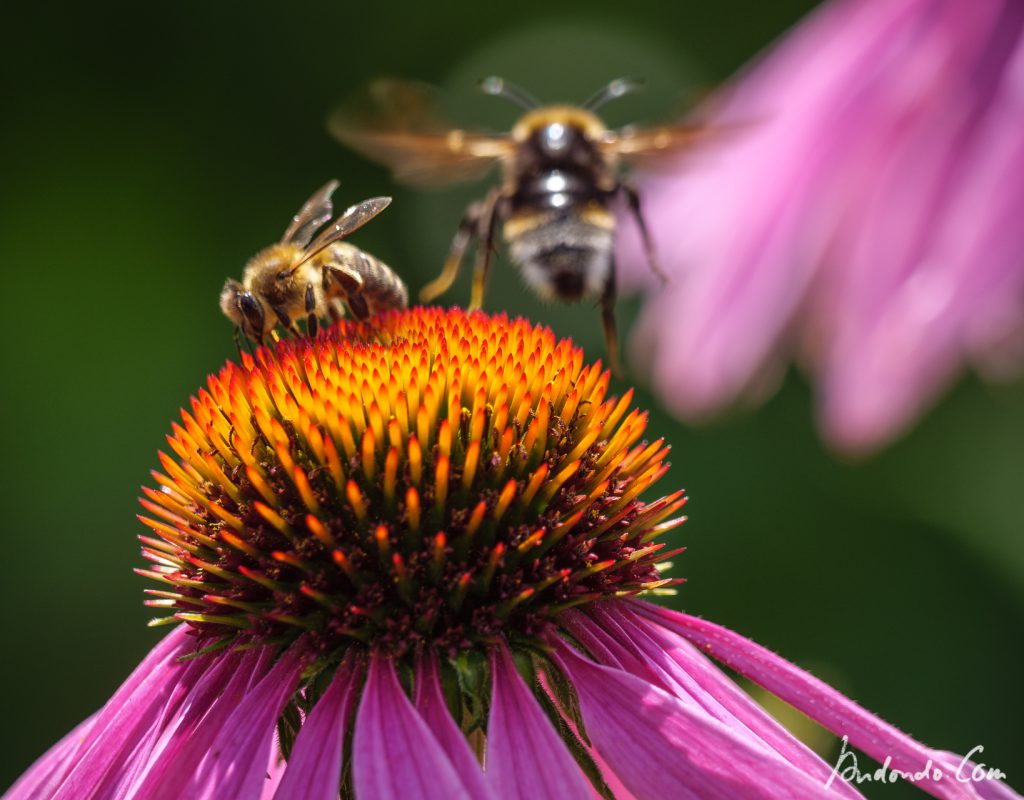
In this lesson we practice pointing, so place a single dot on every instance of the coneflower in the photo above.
(402, 560)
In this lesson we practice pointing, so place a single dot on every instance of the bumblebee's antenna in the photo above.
(617, 88)
(499, 87)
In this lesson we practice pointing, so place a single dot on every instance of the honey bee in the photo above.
(302, 276)
(561, 175)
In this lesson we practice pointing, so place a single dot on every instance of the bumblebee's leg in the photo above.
(485, 247)
(312, 323)
(340, 280)
(611, 333)
(460, 243)
(633, 201)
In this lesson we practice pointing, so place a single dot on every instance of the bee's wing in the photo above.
(637, 144)
(354, 217)
(316, 211)
(396, 123)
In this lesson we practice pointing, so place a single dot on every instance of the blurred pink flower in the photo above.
(862, 211)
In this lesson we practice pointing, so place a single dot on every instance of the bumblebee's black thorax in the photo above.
(558, 169)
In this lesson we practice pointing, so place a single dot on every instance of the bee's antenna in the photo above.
(617, 88)
(499, 87)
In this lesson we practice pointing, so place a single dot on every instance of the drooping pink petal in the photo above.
(430, 704)
(611, 780)
(43, 777)
(961, 768)
(314, 767)
(276, 766)
(177, 764)
(601, 643)
(120, 783)
(126, 717)
(394, 753)
(235, 765)
(820, 702)
(46, 775)
(687, 673)
(662, 747)
(526, 759)
(184, 738)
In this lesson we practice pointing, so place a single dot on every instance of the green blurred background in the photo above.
(145, 157)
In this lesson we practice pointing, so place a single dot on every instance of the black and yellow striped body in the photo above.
(557, 221)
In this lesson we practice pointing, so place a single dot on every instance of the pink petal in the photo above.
(857, 207)
(184, 739)
(820, 702)
(314, 768)
(687, 673)
(526, 759)
(275, 774)
(430, 704)
(743, 233)
(662, 747)
(235, 765)
(47, 773)
(611, 780)
(120, 784)
(394, 753)
(908, 327)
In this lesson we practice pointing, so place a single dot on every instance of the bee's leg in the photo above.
(463, 236)
(238, 341)
(485, 247)
(611, 333)
(312, 323)
(335, 310)
(349, 284)
(633, 201)
(357, 305)
(286, 321)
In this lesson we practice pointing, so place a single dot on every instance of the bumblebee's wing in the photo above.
(354, 217)
(314, 213)
(397, 124)
(427, 160)
(637, 144)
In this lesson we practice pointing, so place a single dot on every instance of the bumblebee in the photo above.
(561, 176)
(302, 276)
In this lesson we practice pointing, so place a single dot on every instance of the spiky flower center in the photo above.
(428, 477)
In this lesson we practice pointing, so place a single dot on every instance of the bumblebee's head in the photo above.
(555, 130)
(244, 309)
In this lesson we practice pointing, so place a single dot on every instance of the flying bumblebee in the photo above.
(560, 177)
(302, 276)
